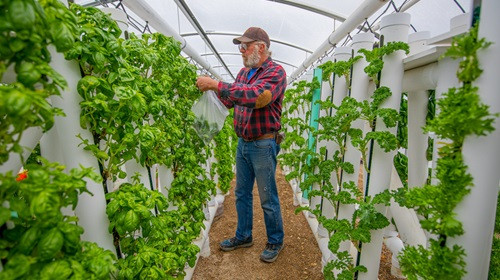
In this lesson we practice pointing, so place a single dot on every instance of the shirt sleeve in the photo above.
(226, 101)
(271, 81)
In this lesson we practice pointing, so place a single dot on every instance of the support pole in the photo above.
(417, 112)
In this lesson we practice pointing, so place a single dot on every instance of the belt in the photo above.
(262, 137)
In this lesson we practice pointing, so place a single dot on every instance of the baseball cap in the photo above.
(253, 34)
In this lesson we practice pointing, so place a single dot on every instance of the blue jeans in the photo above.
(257, 160)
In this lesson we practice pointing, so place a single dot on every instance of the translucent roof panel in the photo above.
(297, 29)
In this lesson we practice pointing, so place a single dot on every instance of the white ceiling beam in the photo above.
(364, 11)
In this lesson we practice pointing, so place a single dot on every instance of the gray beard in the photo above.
(253, 59)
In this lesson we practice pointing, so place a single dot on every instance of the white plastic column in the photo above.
(482, 156)
(326, 206)
(394, 27)
(360, 88)
(360, 80)
(91, 210)
(416, 82)
(340, 88)
(340, 92)
(50, 149)
(447, 69)
(417, 111)
(326, 93)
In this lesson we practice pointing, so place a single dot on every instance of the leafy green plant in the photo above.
(374, 58)
(317, 167)
(43, 243)
(339, 68)
(461, 114)
(225, 155)
(137, 99)
(155, 245)
(28, 28)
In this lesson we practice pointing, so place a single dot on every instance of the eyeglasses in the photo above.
(244, 46)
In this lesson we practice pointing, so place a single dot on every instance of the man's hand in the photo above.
(205, 83)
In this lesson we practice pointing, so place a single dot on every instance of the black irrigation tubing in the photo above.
(458, 4)
(401, 6)
(394, 6)
(383, 13)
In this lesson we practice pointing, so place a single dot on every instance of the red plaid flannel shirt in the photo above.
(250, 122)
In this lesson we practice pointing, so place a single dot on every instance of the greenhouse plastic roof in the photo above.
(296, 28)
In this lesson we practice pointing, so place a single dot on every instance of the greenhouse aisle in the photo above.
(300, 258)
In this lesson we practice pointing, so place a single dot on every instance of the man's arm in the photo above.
(263, 91)
(205, 83)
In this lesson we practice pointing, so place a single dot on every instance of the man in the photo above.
(256, 96)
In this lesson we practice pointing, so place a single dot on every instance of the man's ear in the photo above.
(261, 48)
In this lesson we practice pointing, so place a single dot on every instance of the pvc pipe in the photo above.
(403, 9)
(417, 112)
(50, 146)
(394, 27)
(326, 94)
(339, 93)
(418, 42)
(417, 139)
(422, 78)
(446, 78)
(360, 80)
(147, 13)
(49, 149)
(133, 167)
(396, 246)
(341, 87)
(364, 10)
(406, 219)
(482, 156)
(360, 90)
(326, 254)
(91, 210)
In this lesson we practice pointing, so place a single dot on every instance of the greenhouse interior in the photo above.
(360, 139)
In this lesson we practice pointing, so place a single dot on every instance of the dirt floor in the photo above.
(299, 259)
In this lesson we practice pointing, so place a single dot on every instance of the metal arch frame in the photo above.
(181, 4)
(234, 53)
(238, 34)
(316, 10)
